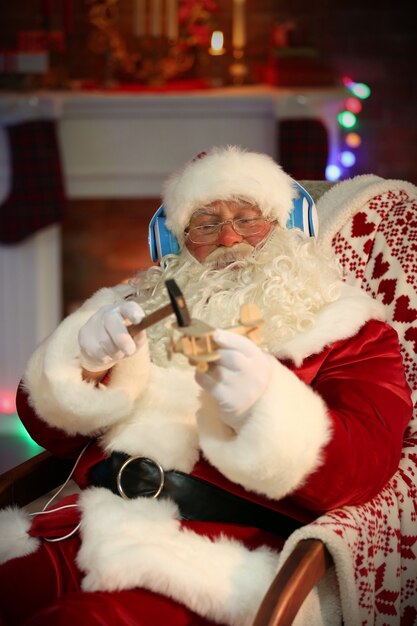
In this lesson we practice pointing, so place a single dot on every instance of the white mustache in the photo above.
(222, 257)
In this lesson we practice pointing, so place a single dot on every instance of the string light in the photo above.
(353, 105)
(347, 158)
(360, 90)
(347, 81)
(333, 172)
(12, 428)
(348, 120)
(7, 402)
(353, 140)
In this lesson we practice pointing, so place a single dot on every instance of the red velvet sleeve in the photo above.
(53, 439)
(363, 383)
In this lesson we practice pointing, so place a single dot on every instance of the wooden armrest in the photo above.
(302, 570)
(32, 479)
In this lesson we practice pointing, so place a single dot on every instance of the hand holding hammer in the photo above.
(104, 340)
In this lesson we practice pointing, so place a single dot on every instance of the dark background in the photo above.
(372, 42)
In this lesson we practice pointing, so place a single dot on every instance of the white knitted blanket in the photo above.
(372, 225)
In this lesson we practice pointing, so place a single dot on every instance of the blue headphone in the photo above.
(162, 242)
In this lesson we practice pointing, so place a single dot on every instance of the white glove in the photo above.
(238, 379)
(104, 338)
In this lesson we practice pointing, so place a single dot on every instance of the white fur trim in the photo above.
(14, 538)
(345, 199)
(224, 174)
(348, 601)
(58, 393)
(162, 423)
(280, 443)
(339, 320)
(140, 543)
(322, 605)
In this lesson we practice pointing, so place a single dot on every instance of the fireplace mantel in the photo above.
(117, 145)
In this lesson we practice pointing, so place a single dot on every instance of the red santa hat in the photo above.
(226, 173)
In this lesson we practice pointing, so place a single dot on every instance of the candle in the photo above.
(156, 18)
(216, 50)
(239, 26)
(172, 19)
(139, 17)
(217, 39)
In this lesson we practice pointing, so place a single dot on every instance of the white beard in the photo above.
(289, 277)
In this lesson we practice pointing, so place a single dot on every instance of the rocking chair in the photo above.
(360, 219)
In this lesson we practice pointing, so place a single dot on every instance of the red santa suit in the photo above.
(326, 432)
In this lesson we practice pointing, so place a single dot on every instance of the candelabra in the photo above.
(238, 69)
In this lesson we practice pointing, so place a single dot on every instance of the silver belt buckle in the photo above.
(145, 458)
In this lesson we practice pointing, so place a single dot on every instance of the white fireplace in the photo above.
(116, 145)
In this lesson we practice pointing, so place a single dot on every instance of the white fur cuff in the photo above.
(280, 443)
(140, 543)
(14, 538)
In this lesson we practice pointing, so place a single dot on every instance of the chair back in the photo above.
(377, 249)
(371, 224)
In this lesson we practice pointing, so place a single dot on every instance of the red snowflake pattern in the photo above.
(377, 249)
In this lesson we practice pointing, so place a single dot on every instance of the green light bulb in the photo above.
(346, 119)
(361, 90)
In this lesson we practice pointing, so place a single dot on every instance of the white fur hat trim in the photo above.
(226, 173)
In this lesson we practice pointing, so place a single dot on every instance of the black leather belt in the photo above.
(196, 499)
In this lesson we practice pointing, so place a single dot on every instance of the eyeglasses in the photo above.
(244, 226)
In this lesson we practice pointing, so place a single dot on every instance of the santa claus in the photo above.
(190, 478)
